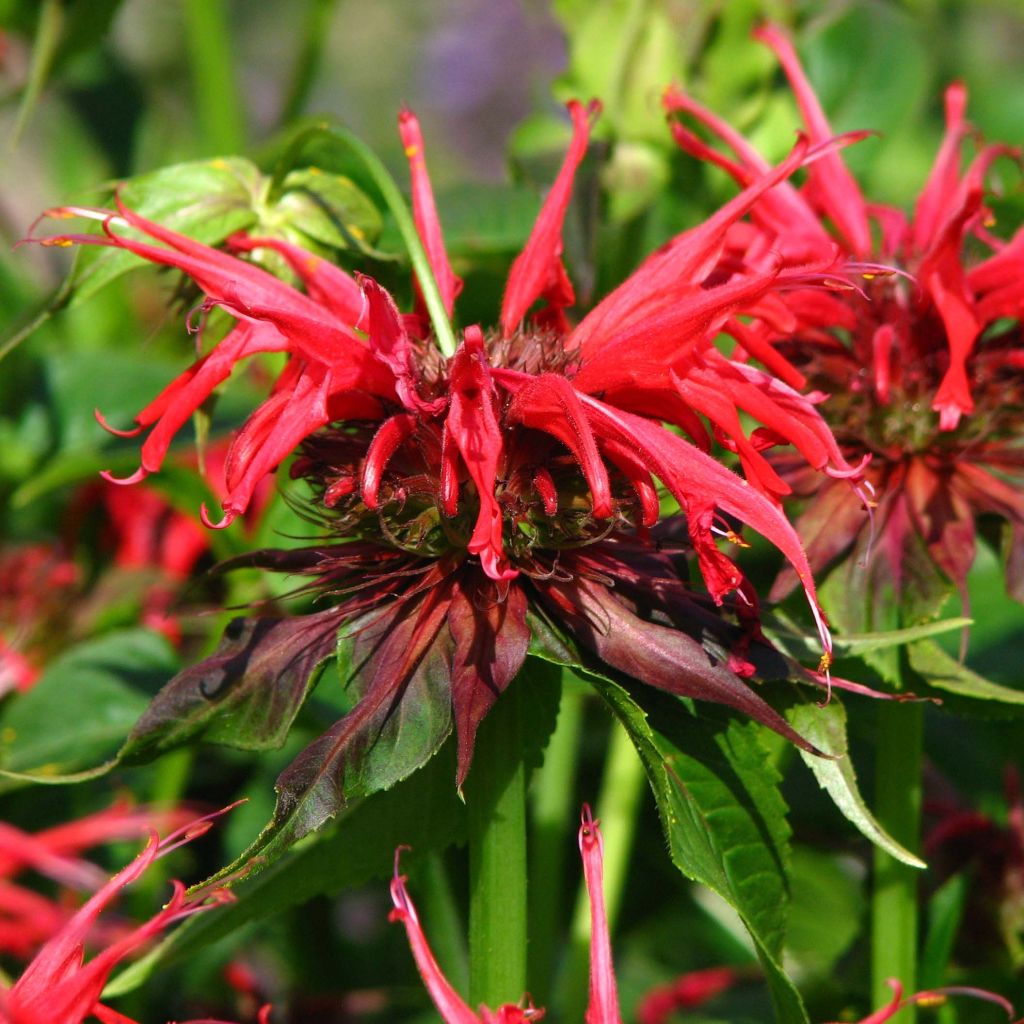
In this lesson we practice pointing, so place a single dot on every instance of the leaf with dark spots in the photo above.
(666, 658)
(246, 694)
(490, 639)
(400, 663)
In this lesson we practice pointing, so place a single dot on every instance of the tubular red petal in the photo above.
(537, 271)
(939, 192)
(137, 477)
(424, 210)
(699, 483)
(101, 420)
(829, 177)
(472, 424)
(451, 1007)
(881, 357)
(324, 282)
(603, 1007)
(389, 436)
(544, 485)
(550, 403)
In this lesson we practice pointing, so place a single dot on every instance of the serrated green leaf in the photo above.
(422, 812)
(826, 728)
(84, 704)
(723, 815)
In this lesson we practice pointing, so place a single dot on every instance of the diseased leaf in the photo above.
(826, 727)
(723, 815)
(246, 694)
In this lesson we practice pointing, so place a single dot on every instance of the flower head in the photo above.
(603, 1007)
(475, 497)
(922, 362)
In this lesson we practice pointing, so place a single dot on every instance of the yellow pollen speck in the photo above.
(411, 151)
(356, 232)
(826, 663)
(932, 1000)
(868, 277)
(989, 221)
(59, 213)
(314, 171)
(219, 164)
(48, 769)
(9, 735)
(734, 538)
(312, 263)
(63, 243)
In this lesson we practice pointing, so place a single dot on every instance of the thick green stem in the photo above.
(218, 108)
(554, 814)
(898, 808)
(618, 805)
(496, 801)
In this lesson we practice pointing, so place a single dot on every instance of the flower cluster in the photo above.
(923, 365)
(516, 480)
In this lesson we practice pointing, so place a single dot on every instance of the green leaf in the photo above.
(328, 209)
(826, 728)
(84, 704)
(422, 812)
(943, 672)
(945, 910)
(826, 911)
(206, 200)
(246, 694)
(723, 815)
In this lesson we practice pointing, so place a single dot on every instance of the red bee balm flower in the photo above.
(603, 1007)
(509, 485)
(57, 987)
(923, 366)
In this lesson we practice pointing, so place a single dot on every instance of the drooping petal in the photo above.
(472, 426)
(549, 402)
(537, 272)
(829, 178)
(448, 1002)
(603, 1007)
(424, 210)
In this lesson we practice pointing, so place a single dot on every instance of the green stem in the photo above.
(894, 902)
(496, 801)
(618, 805)
(443, 333)
(314, 37)
(44, 49)
(217, 105)
(554, 811)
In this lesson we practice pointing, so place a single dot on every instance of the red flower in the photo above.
(922, 366)
(603, 1007)
(512, 485)
(57, 987)
(27, 918)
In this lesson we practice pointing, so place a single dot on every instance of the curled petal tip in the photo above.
(137, 477)
(227, 520)
(101, 420)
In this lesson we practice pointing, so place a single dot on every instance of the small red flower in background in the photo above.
(28, 918)
(480, 497)
(37, 583)
(57, 987)
(924, 368)
(603, 1007)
